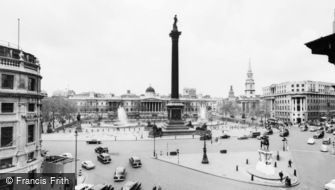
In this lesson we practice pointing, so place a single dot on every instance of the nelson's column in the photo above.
(175, 125)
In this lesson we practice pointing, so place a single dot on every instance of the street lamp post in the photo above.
(204, 156)
(154, 129)
(75, 156)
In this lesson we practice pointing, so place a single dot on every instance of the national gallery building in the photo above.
(149, 105)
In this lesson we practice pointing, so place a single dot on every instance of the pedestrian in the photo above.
(281, 175)
(155, 188)
(290, 163)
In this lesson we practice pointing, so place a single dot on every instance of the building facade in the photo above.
(300, 101)
(150, 105)
(20, 116)
(249, 102)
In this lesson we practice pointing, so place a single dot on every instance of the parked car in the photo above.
(102, 187)
(284, 133)
(104, 158)
(243, 137)
(268, 131)
(324, 148)
(131, 185)
(319, 135)
(93, 141)
(254, 134)
(100, 150)
(66, 155)
(120, 174)
(330, 185)
(326, 140)
(224, 136)
(135, 162)
(87, 164)
(83, 186)
(311, 141)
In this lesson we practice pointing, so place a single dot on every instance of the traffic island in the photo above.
(238, 166)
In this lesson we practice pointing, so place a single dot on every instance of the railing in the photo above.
(9, 62)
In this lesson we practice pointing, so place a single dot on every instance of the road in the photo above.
(314, 167)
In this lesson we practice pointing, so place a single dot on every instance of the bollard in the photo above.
(295, 172)
(275, 164)
(252, 177)
(247, 161)
(236, 167)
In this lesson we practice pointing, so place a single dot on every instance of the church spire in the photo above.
(249, 83)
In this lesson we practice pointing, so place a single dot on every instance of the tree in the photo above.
(229, 108)
(59, 108)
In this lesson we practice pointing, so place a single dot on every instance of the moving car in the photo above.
(87, 164)
(268, 131)
(310, 141)
(284, 133)
(243, 137)
(304, 128)
(131, 185)
(224, 136)
(100, 150)
(120, 174)
(326, 140)
(83, 186)
(104, 158)
(324, 148)
(255, 134)
(319, 135)
(93, 141)
(135, 162)
(66, 155)
(330, 185)
(330, 130)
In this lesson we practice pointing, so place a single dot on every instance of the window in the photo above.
(31, 157)
(6, 163)
(31, 84)
(6, 136)
(7, 107)
(31, 132)
(31, 107)
(7, 81)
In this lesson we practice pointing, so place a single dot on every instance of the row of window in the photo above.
(9, 107)
(7, 135)
(7, 82)
(8, 162)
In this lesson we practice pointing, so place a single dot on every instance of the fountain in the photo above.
(202, 114)
(122, 116)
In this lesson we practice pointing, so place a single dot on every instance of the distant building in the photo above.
(231, 96)
(300, 101)
(20, 107)
(63, 93)
(147, 106)
(190, 92)
(249, 102)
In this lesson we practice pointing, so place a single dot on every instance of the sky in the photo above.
(111, 46)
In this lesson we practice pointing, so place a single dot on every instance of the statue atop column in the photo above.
(175, 23)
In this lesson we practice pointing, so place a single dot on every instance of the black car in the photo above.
(268, 131)
(284, 133)
(224, 136)
(319, 135)
(100, 150)
(104, 158)
(93, 141)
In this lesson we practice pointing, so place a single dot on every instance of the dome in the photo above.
(150, 90)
